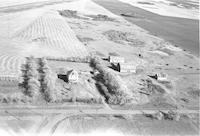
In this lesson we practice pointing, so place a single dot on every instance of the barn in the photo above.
(72, 76)
(126, 67)
(66, 75)
(161, 77)
(116, 59)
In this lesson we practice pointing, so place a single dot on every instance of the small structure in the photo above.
(72, 76)
(161, 77)
(159, 115)
(126, 68)
(116, 59)
(66, 75)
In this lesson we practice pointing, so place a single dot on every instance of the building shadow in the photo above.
(63, 77)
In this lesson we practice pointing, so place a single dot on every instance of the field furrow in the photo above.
(10, 65)
(52, 31)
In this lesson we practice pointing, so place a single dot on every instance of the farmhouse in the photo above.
(72, 76)
(126, 67)
(116, 59)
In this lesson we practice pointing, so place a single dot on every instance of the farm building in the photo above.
(116, 59)
(72, 76)
(126, 67)
(161, 77)
(67, 76)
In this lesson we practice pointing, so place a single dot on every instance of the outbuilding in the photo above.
(126, 67)
(161, 77)
(72, 76)
(116, 59)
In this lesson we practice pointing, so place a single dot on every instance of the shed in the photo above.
(126, 67)
(72, 76)
(116, 59)
(161, 77)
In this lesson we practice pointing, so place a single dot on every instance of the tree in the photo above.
(47, 81)
(117, 90)
(30, 81)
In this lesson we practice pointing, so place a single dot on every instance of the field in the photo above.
(157, 56)
(52, 31)
(179, 31)
(10, 58)
(56, 77)
(40, 37)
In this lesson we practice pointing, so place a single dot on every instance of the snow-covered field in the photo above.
(4, 3)
(175, 8)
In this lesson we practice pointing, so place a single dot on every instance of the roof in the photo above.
(127, 65)
(72, 72)
(116, 59)
(162, 75)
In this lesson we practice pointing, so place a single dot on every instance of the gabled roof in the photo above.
(72, 72)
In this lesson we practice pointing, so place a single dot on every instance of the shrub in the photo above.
(11, 98)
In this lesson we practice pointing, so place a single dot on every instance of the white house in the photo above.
(72, 76)
(116, 59)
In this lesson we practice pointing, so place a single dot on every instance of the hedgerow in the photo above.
(30, 83)
(116, 91)
(47, 81)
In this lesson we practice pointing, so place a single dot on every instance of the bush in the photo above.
(101, 17)
(33, 90)
(69, 14)
(11, 98)
(89, 101)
